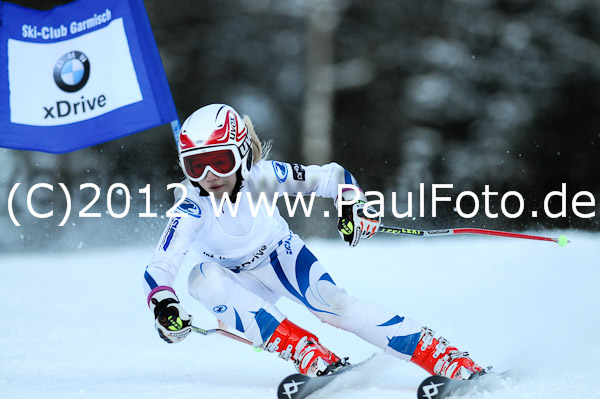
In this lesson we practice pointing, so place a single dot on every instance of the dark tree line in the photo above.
(468, 92)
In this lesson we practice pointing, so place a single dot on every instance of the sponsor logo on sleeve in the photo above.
(169, 233)
(298, 172)
(190, 207)
(281, 171)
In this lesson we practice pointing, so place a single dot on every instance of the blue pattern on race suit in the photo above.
(304, 262)
(405, 344)
(266, 323)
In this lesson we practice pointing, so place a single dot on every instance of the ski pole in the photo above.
(561, 240)
(221, 332)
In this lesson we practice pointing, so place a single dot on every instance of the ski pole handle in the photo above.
(561, 241)
(221, 332)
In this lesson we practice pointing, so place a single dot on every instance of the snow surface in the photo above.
(76, 325)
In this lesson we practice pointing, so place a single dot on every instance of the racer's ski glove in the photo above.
(171, 321)
(355, 224)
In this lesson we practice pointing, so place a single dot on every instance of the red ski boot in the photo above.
(436, 357)
(309, 356)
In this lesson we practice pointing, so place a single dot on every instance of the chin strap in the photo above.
(238, 184)
(202, 191)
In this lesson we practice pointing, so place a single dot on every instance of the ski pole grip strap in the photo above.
(157, 289)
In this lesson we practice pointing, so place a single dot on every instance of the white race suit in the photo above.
(250, 261)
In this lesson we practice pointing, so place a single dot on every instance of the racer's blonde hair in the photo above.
(259, 150)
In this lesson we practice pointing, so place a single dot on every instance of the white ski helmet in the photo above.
(214, 138)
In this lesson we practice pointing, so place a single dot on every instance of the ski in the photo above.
(438, 387)
(299, 386)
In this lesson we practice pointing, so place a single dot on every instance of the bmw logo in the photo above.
(72, 71)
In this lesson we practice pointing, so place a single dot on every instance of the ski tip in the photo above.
(434, 387)
(291, 387)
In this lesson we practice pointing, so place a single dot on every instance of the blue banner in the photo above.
(79, 75)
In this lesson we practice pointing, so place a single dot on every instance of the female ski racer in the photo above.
(250, 261)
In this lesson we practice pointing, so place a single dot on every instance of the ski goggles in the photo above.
(223, 161)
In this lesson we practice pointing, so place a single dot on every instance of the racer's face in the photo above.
(218, 185)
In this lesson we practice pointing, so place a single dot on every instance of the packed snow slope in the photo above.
(77, 325)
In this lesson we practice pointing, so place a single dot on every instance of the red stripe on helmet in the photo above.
(221, 135)
(185, 141)
(241, 134)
